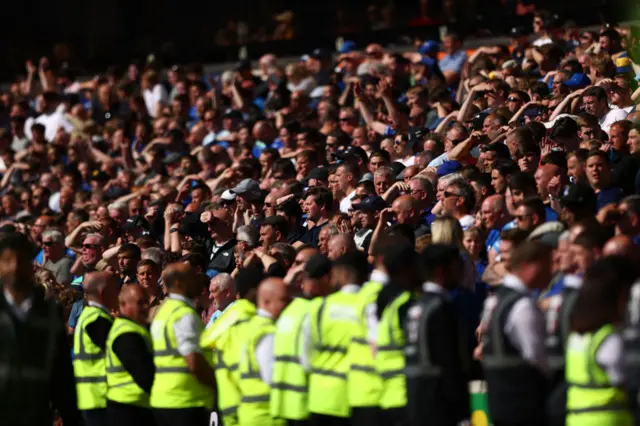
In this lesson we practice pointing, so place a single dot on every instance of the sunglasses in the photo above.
(521, 217)
(448, 194)
(90, 246)
(510, 99)
(48, 243)
(345, 119)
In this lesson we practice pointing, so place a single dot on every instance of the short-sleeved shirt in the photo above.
(453, 62)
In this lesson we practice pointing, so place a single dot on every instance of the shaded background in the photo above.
(91, 35)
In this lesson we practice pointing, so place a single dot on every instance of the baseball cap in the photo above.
(320, 54)
(191, 226)
(397, 167)
(477, 121)
(319, 173)
(172, 158)
(351, 152)
(448, 167)
(232, 113)
(579, 195)
(429, 47)
(136, 222)
(623, 65)
(317, 266)
(577, 81)
(245, 186)
(517, 32)
(227, 195)
(370, 203)
(348, 46)
(243, 65)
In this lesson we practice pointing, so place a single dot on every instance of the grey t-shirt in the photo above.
(61, 269)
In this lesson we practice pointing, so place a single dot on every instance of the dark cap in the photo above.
(232, 113)
(320, 54)
(136, 222)
(351, 152)
(244, 65)
(397, 167)
(578, 195)
(517, 32)
(477, 121)
(370, 203)
(172, 158)
(319, 173)
(317, 266)
(191, 226)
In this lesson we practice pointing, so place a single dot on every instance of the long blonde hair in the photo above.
(447, 230)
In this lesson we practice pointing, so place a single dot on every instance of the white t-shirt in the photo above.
(153, 97)
(466, 222)
(345, 204)
(611, 117)
(51, 122)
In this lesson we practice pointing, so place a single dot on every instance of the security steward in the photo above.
(331, 324)
(257, 356)
(182, 391)
(436, 354)
(514, 357)
(558, 326)
(365, 385)
(223, 339)
(392, 305)
(36, 376)
(631, 336)
(130, 367)
(289, 382)
(89, 344)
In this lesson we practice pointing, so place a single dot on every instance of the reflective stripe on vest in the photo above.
(223, 337)
(289, 379)
(364, 383)
(89, 363)
(591, 398)
(255, 394)
(390, 361)
(332, 321)
(174, 386)
(120, 385)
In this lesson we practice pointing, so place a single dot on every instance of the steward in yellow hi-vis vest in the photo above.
(89, 343)
(332, 323)
(130, 368)
(257, 356)
(182, 391)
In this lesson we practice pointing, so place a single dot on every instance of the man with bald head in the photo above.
(182, 391)
(620, 245)
(89, 343)
(404, 208)
(494, 217)
(542, 176)
(257, 355)
(130, 368)
(339, 245)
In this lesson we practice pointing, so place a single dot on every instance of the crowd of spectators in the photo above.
(267, 164)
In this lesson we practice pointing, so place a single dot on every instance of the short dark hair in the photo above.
(536, 206)
(356, 263)
(278, 223)
(435, 256)
(149, 262)
(529, 251)
(322, 196)
(521, 181)
(284, 167)
(197, 260)
(599, 153)
(131, 249)
(598, 92)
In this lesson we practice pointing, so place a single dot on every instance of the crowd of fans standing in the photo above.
(444, 181)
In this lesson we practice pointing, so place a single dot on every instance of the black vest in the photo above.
(436, 396)
(516, 389)
(27, 351)
(558, 326)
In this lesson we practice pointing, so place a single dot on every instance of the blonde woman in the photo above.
(299, 79)
(447, 230)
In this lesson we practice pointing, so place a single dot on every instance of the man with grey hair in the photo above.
(153, 253)
(383, 178)
(247, 238)
(222, 294)
(459, 200)
(55, 259)
(119, 212)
